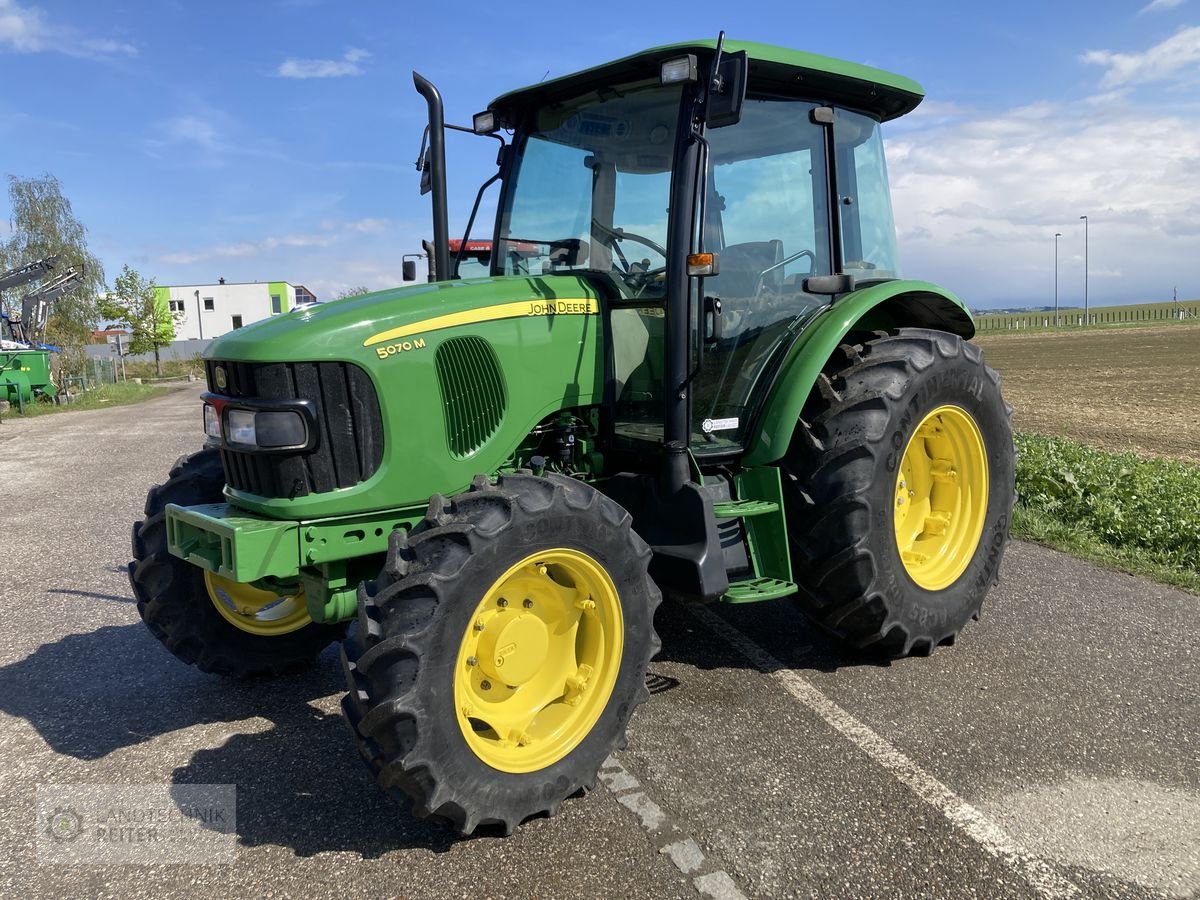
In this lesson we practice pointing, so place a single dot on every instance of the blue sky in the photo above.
(275, 140)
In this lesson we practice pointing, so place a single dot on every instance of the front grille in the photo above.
(349, 446)
(472, 393)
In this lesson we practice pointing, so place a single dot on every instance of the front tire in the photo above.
(900, 490)
(502, 650)
(208, 621)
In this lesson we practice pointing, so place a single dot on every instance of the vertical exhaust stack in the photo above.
(435, 160)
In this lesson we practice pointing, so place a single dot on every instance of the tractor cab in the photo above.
(768, 160)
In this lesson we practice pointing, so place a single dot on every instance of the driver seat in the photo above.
(741, 264)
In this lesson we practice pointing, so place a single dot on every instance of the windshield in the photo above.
(591, 190)
(868, 232)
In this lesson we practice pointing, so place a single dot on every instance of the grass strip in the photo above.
(97, 398)
(1139, 515)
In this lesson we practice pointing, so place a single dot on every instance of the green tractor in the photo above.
(706, 379)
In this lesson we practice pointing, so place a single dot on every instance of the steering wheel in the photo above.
(612, 237)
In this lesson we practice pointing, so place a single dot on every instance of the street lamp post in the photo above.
(1085, 269)
(1057, 235)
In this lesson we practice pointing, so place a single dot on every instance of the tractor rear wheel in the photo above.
(899, 490)
(501, 651)
(217, 625)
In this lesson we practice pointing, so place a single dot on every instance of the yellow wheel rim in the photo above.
(256, 611)
(941, 497)
(538, 661)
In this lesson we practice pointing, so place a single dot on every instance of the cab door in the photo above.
(767, 216)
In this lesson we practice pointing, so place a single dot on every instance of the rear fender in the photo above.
(890, 305)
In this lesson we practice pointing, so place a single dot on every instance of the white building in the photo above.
(211, 310)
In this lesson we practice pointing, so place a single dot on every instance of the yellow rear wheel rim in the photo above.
(539, 660)
(256, 611)
(941, 497)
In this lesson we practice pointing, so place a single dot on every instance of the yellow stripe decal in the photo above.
(550, 308)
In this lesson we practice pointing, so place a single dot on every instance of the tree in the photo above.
(137, 304)
(43, 224)
(351, 292)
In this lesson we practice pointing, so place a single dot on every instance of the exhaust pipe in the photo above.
(436, 160)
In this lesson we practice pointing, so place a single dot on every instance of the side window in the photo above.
(209, 304)
(276, 305)
(556, 205)
(868, 231)
(237, 321)
(771, 199)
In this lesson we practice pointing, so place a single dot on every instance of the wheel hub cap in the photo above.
(513, 652)
(539, 660)
(941, 497)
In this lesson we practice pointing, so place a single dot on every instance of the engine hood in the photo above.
(364, 328)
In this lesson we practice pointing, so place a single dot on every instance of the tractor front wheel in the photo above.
(899, 490)
(218, 625)
(502, 649)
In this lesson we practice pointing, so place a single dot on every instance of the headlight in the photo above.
(212, 422)
(272, 429)
(239, 427)
(281, 428)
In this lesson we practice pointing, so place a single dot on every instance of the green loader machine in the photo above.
(693, 369)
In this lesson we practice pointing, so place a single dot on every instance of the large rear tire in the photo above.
(899, 490)
(207, 621)
(502, 650)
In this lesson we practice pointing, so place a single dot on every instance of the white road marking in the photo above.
(645, 809)
(719, 886)
(682, 850)
(977, 826)
(686, 855)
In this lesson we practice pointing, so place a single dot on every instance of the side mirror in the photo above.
(728, 91)
(409, 270)
(829, 285)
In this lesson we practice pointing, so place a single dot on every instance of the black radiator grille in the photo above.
(350, 429)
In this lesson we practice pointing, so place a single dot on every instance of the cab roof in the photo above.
(772, 69)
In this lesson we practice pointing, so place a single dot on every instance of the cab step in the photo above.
(757, 589)
(743, 509)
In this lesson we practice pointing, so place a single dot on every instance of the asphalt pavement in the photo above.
(1052, 752)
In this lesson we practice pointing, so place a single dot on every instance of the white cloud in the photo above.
(324, 68)
(193, 129)
(334, 231)
(24, 29)
(1176, 58)
(246, 248)
(978, 201)
(108, 47)
(1160, 6)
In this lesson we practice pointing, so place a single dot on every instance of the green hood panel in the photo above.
(542, 335)
(327, 331)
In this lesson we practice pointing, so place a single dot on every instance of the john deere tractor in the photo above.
(706, 378)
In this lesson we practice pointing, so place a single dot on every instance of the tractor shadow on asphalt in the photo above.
(299, 780)
(776, 626)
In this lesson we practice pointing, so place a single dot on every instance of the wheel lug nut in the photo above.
(479, 626)
(486, 685)
(900, 502)
(528, 604)
(472, 661)
(502, 602)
